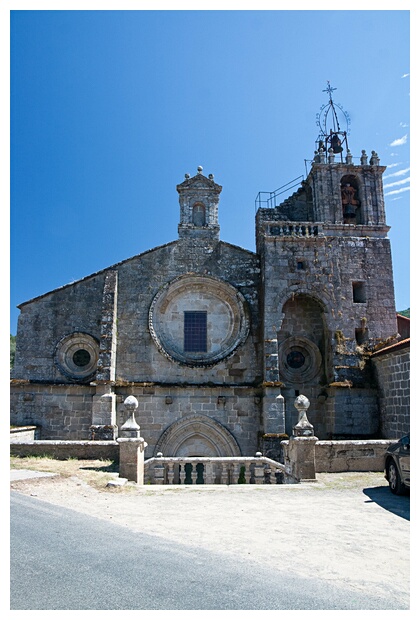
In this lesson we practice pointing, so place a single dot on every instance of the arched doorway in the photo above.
(197, 435)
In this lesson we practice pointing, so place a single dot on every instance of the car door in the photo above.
(404, 459)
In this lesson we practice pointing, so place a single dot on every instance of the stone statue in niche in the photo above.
(349, 202)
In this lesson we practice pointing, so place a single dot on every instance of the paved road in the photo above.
(63, 560)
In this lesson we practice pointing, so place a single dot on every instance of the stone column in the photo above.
(132, 446)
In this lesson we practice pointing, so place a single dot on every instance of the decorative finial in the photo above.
(211, 177)
(200, 169)
(187, 175)
(303, 427)
(329, 89)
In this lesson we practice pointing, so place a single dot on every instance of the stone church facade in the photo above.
(215, 341)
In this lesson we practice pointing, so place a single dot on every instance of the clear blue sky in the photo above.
(110, 109)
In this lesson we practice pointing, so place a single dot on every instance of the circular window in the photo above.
(295, 359)
(299, 359)
(198, 320)
(77, 355)
(81, 358)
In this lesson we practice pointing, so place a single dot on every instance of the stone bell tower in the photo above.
(328, 293)
(199, 207)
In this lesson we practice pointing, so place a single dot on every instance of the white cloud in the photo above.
(405, 75)
(398, 191)
(399, 173)
(407, 180)
(399, 141)
(393, 166)
(403, 124)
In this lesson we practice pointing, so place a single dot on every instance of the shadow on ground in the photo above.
(112, 467)
(398, 504)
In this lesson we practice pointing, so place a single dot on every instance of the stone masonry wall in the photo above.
(44, 321)
(393, 376)
(139, 280)
(338, 456)
(59, 411)
(236, 408)
(63, 450)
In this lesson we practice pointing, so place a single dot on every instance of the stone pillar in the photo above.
(273, 423)
(273, 411)
(300, 449)
(104, 427)
(259, 470)
(104, 410)
(132, 446)
(159, 470)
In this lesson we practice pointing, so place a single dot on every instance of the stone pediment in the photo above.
(199, 181)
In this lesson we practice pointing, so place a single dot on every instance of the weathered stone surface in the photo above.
(302, 314)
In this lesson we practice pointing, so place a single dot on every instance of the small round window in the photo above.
(81, 358)
(295, 359)
(300, 359)
(77, 355)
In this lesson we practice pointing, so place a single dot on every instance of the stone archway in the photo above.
(197, 435)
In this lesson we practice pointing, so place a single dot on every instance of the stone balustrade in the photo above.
(294, 229)
(214, 470)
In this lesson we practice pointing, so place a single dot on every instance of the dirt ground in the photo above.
(346, 528)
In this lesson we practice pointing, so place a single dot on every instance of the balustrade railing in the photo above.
(292, 229)
(214, 470)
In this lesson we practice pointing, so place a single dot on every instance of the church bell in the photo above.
(336, 144)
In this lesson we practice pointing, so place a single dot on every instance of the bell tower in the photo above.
(199, 207)
(344, 192)
(327, 284)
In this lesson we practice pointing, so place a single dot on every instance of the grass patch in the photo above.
(96, 473)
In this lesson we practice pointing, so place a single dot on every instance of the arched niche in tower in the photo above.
(303, 350)
(199, 214)
(350, 200)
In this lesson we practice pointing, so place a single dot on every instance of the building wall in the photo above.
(44, 322)
(59, 411)
(299, 316)
(141, 279)
(392, 370)
(235, 408)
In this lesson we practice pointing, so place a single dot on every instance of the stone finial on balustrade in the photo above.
(331, 156)
(130, 428)
(364, 158)
(374, 160)
(159, 470)
(259, 469)
(303, 428)
(349, 157)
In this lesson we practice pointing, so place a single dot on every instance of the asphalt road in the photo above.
(64, 560)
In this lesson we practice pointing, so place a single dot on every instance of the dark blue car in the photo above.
(397, 465)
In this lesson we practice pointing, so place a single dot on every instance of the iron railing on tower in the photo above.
(268, 200)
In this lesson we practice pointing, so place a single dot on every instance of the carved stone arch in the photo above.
(304, 338)
(321, 299)
(197, 433)
(303, 293)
